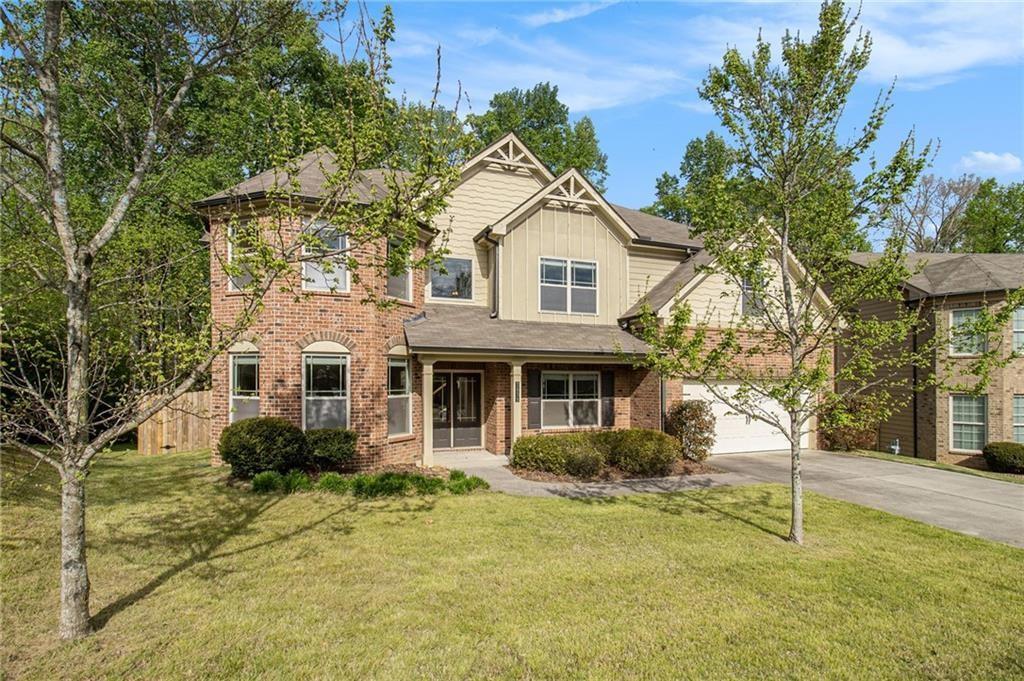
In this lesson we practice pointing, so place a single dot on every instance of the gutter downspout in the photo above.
(495, 264)
(914, 381)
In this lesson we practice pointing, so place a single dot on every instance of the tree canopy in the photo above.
(994, 219)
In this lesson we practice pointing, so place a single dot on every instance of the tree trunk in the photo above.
(74, 575)
(796, 528)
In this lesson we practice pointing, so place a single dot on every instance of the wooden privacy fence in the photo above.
(181, 426)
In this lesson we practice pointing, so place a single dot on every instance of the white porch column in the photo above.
(515, 401)
(428, 412)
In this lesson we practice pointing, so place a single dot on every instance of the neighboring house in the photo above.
(951, 288)
(523, 334)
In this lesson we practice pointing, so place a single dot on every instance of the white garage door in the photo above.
(737, 433)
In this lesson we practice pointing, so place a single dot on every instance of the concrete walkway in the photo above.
(973, 505)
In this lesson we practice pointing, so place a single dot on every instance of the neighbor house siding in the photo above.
(571, 233)
(646, 270)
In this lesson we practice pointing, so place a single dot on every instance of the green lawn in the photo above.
(885, 456)
(192, 578)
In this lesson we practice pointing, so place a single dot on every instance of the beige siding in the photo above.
(562, 233)
(483, 197)
(646, 270)
(716, 299)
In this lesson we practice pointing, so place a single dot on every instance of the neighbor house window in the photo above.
(325, 391)
(570, 400)
(399, 397)
(964, 341)
(245, 387)
(969, 420)
(568, 286)
(1018, 330)
(327, 273)
(241, 244)
(751, 304)
(1018, 418)
(455, 283)
(399, 285)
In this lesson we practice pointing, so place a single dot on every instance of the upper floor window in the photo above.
(399, 285)
(751, 305)
(965, 341)
(327, 273)
(245, 386)
(324, 391)
(242, 239)
(455, 283)
(568, 286)
(1018, 330)
(399, 397)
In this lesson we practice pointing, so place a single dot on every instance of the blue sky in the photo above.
(634, 68)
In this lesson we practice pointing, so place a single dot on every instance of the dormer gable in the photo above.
(509, 153)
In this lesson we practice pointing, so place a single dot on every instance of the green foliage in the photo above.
(262, 444)
(554, 453)
(331, 448)
(1004, 457)
(848, 423)
(706, 159)
(334, 483)
(994, 219)
(465, 484)
(296, 481)
(635, 451)
(267, 481)
(638, 451)
(692, 423)
(542, 122)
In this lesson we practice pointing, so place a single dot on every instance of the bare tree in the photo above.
(932, 213)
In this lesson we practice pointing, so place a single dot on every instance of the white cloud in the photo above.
(990, 162)
(696, 106)
(560, 14)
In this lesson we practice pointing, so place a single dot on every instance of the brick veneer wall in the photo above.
(291, 319)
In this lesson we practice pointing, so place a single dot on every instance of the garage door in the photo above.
(736, 432)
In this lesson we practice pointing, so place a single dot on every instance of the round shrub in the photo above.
(692, 423)
(1005, 457)
(846, 424)
(263, 444)
(550, 453)
(335, 483)
(584, 462)
(267, 481)
(331, 448)
(639, 451)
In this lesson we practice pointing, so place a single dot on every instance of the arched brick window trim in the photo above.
(337, 337)
(395, 341)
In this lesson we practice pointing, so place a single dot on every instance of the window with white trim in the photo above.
(1018, 418)
(245, 387)
(751, 305)
(242, 239)
(568, 286)
(399, 397)
(455, 282)
(969, 419)
(965, 341)
(327, 273)
(1018, 330)
(399, 285)
(570, 400)
(324, 391)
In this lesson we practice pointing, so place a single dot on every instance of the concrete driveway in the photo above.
(965, 503)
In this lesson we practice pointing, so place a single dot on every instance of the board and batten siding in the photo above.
(480, 200)
(646, 270)
(571, 233)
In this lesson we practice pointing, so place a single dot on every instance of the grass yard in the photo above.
(192, 578)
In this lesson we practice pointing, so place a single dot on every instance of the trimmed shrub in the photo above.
(334, 483)
(639, 451)
(465, 484)
(263, 444)
(1005, 457)
(692, 423)
(296, 481)
(550, 453)
(267, 481)
(331, 448)
(846, 425)
(582, 462)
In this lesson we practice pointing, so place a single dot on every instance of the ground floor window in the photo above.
(325, 391)
(1018, 418)
(969, 421)
(399, 397)
(245, 387)
(570, 399)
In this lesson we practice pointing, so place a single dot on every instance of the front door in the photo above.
(457, 409)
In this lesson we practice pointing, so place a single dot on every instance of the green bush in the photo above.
(267, 481)
(584, 462)
(465, 484)
(456, 474)
(381, 485)
(263, 444)
(426, 484)
(296, 481)
(846, 424)
(639, 451)
(692, 423)
(1005, 457)
(551, 453)
(331, 448)
(335, 483)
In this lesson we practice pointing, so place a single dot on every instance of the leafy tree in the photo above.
(778, 346)
(706, 158)
(932, 214)
(114, 116)
(542, 122)
(993, 221)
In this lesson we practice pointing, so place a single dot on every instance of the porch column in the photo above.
(428, 412)
(516, 383)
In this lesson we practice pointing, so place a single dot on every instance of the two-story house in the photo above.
(524, 331)
(951, 289)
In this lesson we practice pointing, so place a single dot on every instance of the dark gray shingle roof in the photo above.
(469, 328)
(943, 274)
(666, 289)
(657, 229)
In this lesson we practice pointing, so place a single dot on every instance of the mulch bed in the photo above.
(609, 474)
